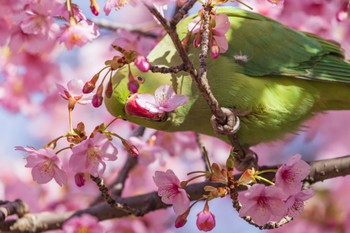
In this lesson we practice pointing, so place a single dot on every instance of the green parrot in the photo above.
(285, 78)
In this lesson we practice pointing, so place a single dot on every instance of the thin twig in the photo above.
(117, 186)
(182, 12)
(111, 201)
(201, 148)
(176, 41)
(166, 70)
(142, 29)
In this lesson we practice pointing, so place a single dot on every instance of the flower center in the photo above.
(83, 230)
(92, 152)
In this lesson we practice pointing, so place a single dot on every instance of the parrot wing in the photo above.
(264, 47)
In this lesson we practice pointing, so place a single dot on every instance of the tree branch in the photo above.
(142, 29)
(320, 171)
(166, 70)
(16, 207)
(182, 12)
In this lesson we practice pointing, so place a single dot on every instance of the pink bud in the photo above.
(181, 220)
(343, 12)
(205, 220)
(130, 148)
(214, 51)
(133, 150)
(109, 89)
(97, 100)
(133, 86)
(197, 40)
(142, 64)
(79, 179)
(94, 10)
(90, 85)
(94, 7)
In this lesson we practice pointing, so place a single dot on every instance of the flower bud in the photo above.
(130, 148)
(133, 86)
(79, 179)
(197, 40)
(94, 7)
(90, 85)
(109, 89)
(214, 51)
(97, 99)
(181, 220)
(142, 64)
(205, 220)
(343, 12)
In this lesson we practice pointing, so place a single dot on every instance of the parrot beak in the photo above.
(132, 108)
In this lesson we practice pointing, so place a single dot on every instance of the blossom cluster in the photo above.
(260, 202)
(218, 26)
(285, 198)
(88, 157)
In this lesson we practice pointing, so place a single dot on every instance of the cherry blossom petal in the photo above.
(222, 25)
(180, 202)
(222, 43)
(290, 175)
(41, 174)
(148, 102)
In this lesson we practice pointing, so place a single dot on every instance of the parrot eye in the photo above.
(140, 80)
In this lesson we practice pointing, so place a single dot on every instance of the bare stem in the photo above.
(182, 12)
(166, 70)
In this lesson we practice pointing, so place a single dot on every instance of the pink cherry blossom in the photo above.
(38, 19)
(164, 100)
(217, 41)
(78, 34)
(90, 155)
(171, 192)
(221, 27)
(263, 203)
(31, 43)
(83, 223)
(74, 91)
(45, 165)
(110, 4)
(205, 220)
(296, 202)
(290, 175)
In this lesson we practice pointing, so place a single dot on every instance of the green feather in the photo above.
(287, 78)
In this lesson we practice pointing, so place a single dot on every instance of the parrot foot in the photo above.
(230, 127)
(248, 160)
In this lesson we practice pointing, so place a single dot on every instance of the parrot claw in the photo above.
(231, 125)
(248, 160)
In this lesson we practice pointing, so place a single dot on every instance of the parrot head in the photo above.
(126, 105)
(133, 108)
